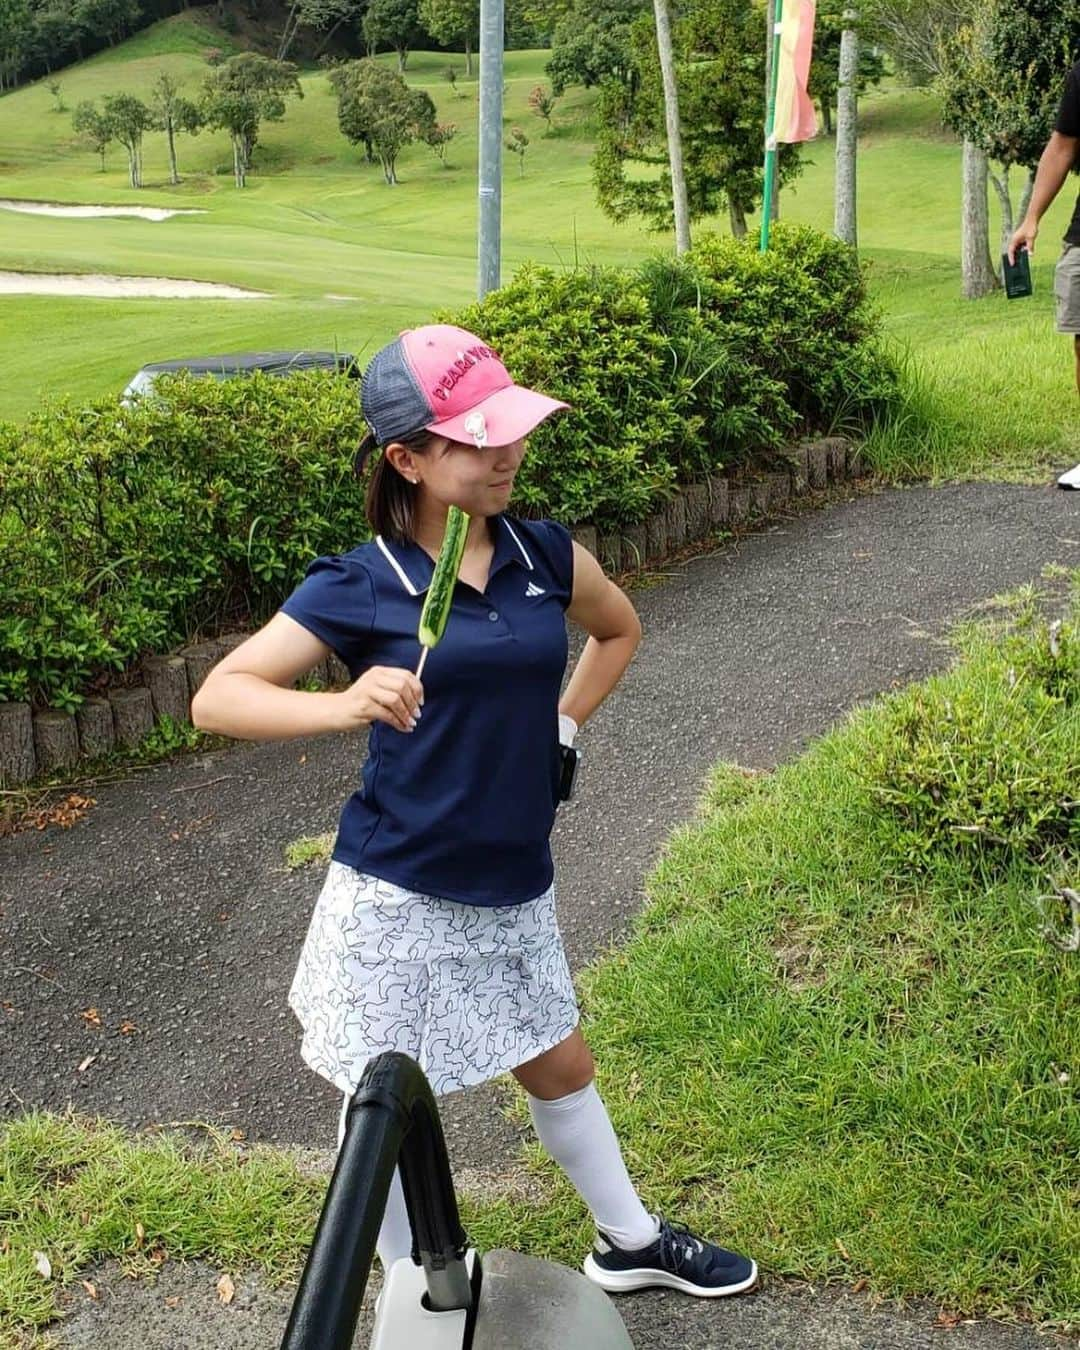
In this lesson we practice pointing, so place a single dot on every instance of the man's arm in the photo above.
(1054, 165)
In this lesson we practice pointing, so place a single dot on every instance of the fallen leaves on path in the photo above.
(65, 813)
(225, 1289)
(946, 1321)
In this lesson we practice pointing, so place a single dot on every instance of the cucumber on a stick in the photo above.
(440, 593)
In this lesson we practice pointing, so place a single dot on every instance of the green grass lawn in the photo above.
(316, 220)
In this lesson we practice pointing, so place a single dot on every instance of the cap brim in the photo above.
(509, 414)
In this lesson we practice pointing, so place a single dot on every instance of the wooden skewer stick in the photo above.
(423, 658)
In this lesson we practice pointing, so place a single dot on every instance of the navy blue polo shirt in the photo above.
(462, 807)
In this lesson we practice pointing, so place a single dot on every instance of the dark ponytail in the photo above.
(390, 497)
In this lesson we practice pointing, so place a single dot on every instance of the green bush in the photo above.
(742, 406)
(130, 529)
(127, 530)
(587, 337)
(983, 762)
(799, 318)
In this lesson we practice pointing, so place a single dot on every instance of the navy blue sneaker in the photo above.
(676, 1259)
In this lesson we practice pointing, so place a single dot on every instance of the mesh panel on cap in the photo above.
(390, 398)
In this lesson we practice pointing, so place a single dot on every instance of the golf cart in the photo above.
(446, 1296)
(241, 363)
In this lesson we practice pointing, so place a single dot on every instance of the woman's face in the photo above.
(479, 480)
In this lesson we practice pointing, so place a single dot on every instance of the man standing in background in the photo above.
(1057, 159)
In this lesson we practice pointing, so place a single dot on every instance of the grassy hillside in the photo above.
(317, 221)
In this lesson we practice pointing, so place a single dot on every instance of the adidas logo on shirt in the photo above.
(533, 589)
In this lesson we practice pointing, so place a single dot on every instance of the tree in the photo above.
(916, 34)
(128, 118)
(319, 15)
(450, 21)
(847, 113)
(721, 48)
(542, 102)
(977, 273)
(108, 19)
(1000, 85)
(240, 94)
(591, 43)
(55, 33)
(88, 121)
(439, 137)
(825, 67)
(16, 37)
(521, 30)
(173, 113)
(666, 56)
(517, 145)
(913, 32)
(377, 107)
(395, 23)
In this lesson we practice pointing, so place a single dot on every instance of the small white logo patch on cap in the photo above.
(476, 426)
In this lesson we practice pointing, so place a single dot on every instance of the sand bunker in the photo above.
(57, 209)
(108, 287)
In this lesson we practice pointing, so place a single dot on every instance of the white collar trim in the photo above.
(403, 575)
(396, 566)
(517, 541)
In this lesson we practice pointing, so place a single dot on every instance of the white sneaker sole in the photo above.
(1070, 479)
(625, 1281)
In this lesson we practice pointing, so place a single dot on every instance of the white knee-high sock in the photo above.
(395, 1235)
(578, 1133)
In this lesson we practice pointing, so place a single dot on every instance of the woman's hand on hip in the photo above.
(387, 694)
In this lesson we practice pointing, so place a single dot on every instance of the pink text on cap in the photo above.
(454, 371)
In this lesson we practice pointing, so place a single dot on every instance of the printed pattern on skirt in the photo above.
(469, 992)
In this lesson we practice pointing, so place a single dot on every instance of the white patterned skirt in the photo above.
(468, 992)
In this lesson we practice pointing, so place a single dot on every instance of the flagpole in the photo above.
(775, 11)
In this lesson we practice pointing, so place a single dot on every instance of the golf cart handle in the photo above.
(392, 1119)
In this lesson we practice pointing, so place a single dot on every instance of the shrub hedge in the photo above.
(125, 530)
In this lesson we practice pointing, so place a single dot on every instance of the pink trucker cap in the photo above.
(442, 379)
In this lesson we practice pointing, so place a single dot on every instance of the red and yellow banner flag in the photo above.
(794, 118)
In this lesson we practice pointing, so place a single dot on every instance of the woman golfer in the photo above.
(435, 931)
